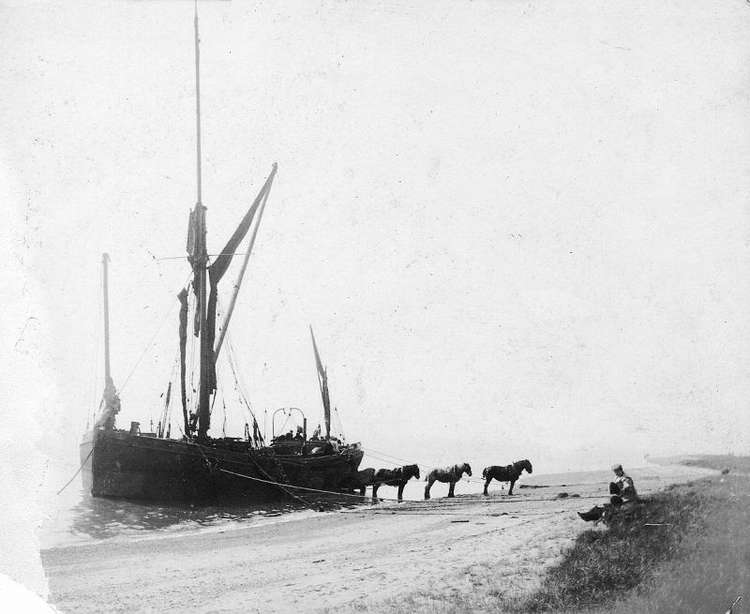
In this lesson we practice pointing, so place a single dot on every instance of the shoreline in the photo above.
(58, 534)
(351, 558)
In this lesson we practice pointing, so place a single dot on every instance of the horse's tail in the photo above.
(484, 472)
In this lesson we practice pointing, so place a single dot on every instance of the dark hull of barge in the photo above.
(122, 465)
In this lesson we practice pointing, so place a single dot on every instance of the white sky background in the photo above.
(519, 229)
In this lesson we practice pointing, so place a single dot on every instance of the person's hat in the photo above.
(616, 467)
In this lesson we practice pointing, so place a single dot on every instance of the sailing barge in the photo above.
(196, 468)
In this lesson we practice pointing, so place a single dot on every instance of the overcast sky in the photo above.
(519, 229)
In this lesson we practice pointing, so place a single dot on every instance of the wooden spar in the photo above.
(105, 285)
(204, 414)
(110, 398)
(197, 105)
(237, 285)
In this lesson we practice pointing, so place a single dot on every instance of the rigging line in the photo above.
(233, 363)
(150, 343)
(232, 359)
(340, 421)
(238, 386)
(380, 455)
(391, 461)
(147, 348)
(390, 458)
(241, 391)
(77, 471)
(166, 416)
(381, 458)
(209, 255)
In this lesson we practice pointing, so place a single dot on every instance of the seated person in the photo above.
(622, 489)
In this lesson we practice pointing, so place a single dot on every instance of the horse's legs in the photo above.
(401, 490)
(486, 484)
(375, 487)
(450, 489)
(510, 490)
(430, 482)
(362, 491)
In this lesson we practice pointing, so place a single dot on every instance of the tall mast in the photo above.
(105, 287)
(201, 257)
(206, 278)
(197, 105)
(110, 398)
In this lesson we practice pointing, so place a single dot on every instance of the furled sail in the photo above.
(183, 296)
(221, 263)
(219, 267)
(323, 383)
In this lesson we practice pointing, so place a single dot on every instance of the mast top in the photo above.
(197, 108)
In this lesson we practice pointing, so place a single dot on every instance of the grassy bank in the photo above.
(603, 565)
(685, 549)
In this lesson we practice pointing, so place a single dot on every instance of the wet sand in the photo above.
(355, 558)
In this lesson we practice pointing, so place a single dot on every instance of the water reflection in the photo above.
(97, 518)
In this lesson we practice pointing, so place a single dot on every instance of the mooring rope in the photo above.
(420, 505)
(279, 484)
(77, 471)
(306, 488)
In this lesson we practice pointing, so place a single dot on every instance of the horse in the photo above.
(394, 477)
(364, 479)
(511, 473)
(448, 474)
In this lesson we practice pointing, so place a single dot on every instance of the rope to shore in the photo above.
(305, 488)
(284, 487)
(77, 471)
(359, 497)
(281, 486)
(417, 508)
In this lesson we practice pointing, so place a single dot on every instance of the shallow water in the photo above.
(80, 518)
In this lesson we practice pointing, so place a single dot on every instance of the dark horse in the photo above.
(394, 477)
(364, 479)
(446, 475)
(511, 473)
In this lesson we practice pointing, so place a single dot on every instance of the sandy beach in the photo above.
(351, 558)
